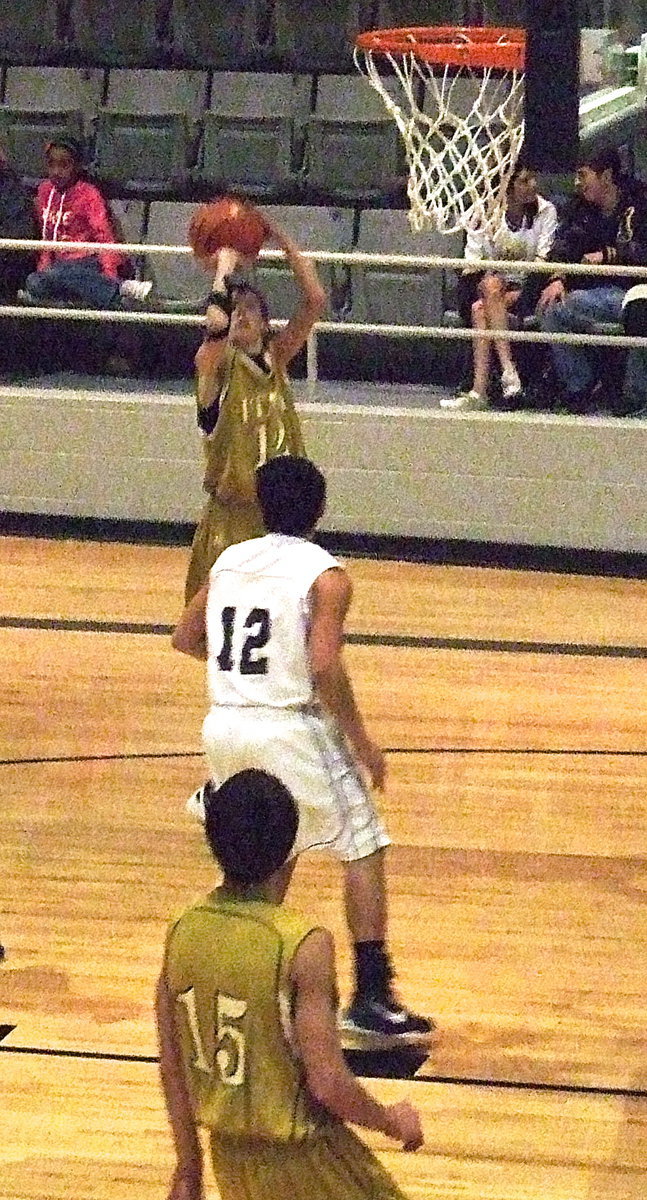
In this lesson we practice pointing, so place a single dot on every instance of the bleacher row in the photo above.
(288, 35)
(181, 133)
(368, 293)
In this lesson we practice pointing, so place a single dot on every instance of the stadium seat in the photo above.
(353, 150)
(26, 132)
(157, 92)
(253, 133)
(117, 33)
(399, 295)
(148, 153)
(28, 31)
(402, 13)
(318, 37)
(180, 284)
(249, 153)
(62, 88)
(313, 228)
(260, 94)
(224, 36)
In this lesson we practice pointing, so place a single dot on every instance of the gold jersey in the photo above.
(257, 421)
(227, 965)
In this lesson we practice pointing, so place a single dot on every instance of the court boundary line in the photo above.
(394, 640)
(452, 1080)
(555, 752)
(512, 556)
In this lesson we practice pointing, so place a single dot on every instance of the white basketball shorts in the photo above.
(306, 751)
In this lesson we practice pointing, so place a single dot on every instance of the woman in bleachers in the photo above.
(245, 405)
(487, 297)
(71, 209)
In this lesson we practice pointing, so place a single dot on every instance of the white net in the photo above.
(462, 128)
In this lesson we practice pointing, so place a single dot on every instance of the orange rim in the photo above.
(452, 45)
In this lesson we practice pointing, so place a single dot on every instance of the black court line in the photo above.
(457, 750)
(406, 641)
(454, 1080)
(81, 758)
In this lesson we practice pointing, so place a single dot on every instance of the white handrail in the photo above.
(350, 258)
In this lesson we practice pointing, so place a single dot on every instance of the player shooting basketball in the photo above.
(245, 406)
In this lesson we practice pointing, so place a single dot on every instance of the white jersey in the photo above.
(257, 622)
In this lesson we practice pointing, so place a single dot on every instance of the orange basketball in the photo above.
(227, 222)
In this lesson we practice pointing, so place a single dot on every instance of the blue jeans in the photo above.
(579, 312)
(78, 279)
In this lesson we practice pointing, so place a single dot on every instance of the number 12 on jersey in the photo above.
(229, 1057)
(258, 626)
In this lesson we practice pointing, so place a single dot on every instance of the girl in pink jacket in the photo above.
(70, 209)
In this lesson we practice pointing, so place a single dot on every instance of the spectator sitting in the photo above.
(486, 297)
(71, 209)
(605, 223)
(16, 221)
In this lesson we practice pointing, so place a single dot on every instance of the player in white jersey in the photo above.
(270, 623)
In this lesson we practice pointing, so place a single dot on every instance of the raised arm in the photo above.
(312, 299)
(330, 597)
(186, 1183)
(328, 1078)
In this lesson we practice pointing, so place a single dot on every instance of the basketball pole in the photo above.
(551, 140)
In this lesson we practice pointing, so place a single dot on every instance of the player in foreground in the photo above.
(270, 623)
(245, 405)
(246, 1014)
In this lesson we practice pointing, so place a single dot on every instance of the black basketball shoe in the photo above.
(381, 1023)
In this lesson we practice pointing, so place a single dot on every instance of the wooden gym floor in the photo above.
(513, 706)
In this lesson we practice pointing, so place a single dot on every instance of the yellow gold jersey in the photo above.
(257, 421)
(227, 965)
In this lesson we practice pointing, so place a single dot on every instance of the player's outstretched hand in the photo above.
(186, 1186)
(406, 1126)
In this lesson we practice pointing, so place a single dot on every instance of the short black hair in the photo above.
(251, 822)
(292, 494)
(607, 158)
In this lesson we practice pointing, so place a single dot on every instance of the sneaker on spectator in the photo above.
(464, 402)
(25, 297)
(372, 1023)
(136, 289)
(510, 383)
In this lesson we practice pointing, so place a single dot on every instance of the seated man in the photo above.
(605, 223)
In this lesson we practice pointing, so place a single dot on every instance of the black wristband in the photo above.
(223, 300)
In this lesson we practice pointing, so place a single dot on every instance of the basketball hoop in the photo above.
(456, 95)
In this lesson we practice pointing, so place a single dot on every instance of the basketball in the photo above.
(227, 222)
